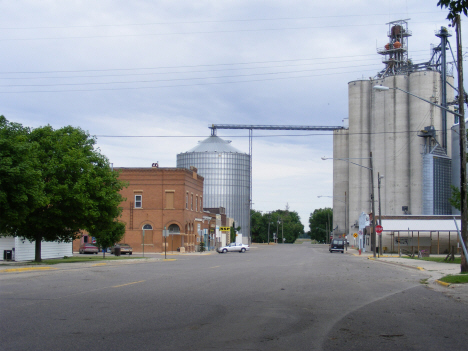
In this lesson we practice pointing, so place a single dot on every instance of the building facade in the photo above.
(162, 198)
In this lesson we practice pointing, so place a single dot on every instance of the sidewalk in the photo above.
(435, 270)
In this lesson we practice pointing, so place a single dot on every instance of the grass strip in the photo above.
(435, 259)
(461, 278)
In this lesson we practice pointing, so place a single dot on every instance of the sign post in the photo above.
(379, 230)
(165, 242)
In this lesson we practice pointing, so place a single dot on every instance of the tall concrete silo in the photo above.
(227, 178)
(405, 135)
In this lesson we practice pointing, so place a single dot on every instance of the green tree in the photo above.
(78, 189)
(108, 234)
(455, 7)
(287, 224)
(21, 186)
(455, 199)
(256, 226)
(318, 224)
(233, 232)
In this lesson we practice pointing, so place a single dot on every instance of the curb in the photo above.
(442, 283)
(26, 269)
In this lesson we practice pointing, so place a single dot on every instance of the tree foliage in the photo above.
(21, 188)
(233, 232)
(455, 199)
(284, 223)
(107, 234)
(74, 188)
(318, 224)
(455, 7)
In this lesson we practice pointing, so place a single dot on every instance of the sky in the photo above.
(147, 78)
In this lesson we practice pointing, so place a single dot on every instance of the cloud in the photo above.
(168, 69)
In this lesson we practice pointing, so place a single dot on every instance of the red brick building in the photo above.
(159, 198)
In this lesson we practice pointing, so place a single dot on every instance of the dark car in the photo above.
(124, 249)
(88, 248)
(337, 245)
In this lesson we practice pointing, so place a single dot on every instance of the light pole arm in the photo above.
(383, 88)
(430, 102)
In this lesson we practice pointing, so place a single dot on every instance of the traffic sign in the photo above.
(378, 229)
(355, 235)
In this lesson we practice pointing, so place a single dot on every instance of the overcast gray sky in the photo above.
(148, 77)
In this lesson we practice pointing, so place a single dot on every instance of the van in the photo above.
(337, 245)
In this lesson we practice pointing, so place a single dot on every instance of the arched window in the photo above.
(174, 229)
(147, 227)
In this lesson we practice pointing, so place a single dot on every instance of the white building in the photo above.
(24, 250)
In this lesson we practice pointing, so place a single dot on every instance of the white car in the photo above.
(234, 247)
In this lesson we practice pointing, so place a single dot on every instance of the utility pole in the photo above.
(282, 231)
(277, 232)
(373, 239)
(269, 217)
(461, 111)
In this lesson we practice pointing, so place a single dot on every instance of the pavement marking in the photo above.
(26, 269)
(215, 267)
(118, 286)
(420, 268)
(170, 259)
(99, 264)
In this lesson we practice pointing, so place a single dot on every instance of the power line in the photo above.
(179, 72)
(179, 85)
(180, 79)
(214, 21)
(199, 32)
(258, 136)
(189, 66)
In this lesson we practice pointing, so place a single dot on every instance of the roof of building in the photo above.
(420, 225)
(214, 144)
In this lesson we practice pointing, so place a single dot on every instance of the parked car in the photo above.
(233, 247)
(124, 249)
(88, 248)
(337, 245)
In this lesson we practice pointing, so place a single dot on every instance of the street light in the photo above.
(346, 211)
(371, 169)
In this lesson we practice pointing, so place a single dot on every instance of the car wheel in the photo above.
(130, 253)
(242, 250)
(224, 250)
(342, 251)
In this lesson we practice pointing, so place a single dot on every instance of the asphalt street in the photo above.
(277, 297)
